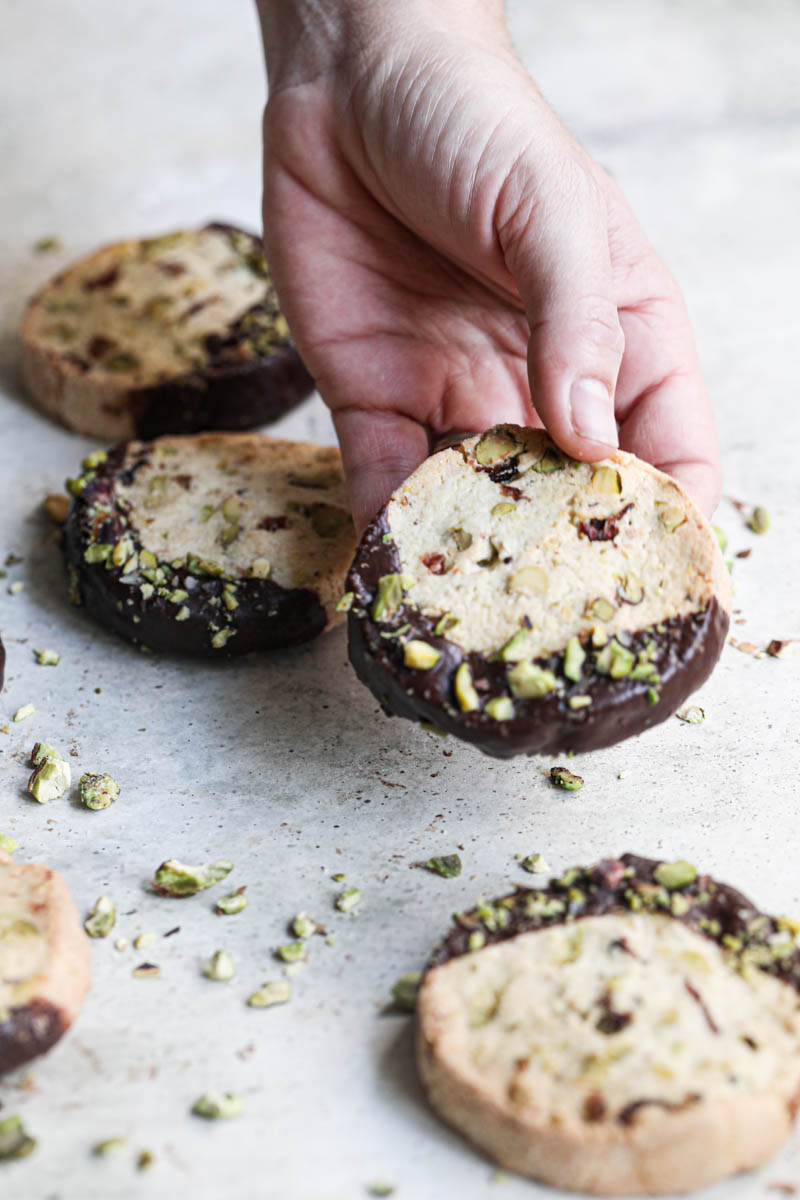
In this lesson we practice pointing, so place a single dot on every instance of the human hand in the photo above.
(446, 252)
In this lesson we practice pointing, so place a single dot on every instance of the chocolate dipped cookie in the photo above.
(44, 961)
(632, 1027)
(214, 544)
(529, 603)
(170, 334)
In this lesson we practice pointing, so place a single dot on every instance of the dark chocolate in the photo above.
(267, 615)
(28, 1031)
(684, 651)
(629, 884)
(2, 664)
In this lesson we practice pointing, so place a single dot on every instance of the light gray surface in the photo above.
(123, 120)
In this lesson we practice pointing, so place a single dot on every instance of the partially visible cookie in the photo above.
(44, 961)
(213, 544)
(170, 334)
(630, 1028)
(530, 603)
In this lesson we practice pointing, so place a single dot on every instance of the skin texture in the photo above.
(449, 257)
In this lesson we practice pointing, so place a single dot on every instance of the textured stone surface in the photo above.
(148, 119)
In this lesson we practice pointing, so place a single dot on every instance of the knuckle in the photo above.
(599, 327)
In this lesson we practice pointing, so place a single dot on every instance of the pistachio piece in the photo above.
(574, 658)
(670, 517)
(109, 1146)
(462, 538)
(499, 708)
(276, 992)
(8, 844)
(216, 1106)
(466, 695)
(16, 587)
(562, 778)
(144, 1160)
(23, 713)
(219, 967)
(174, 878)
(476, 940)
(229, 534)
(259, 568)
(97, 791)
(532, 580)
(143, 940)
(232, 904)
(445, 624)
(446, 865)
(599, 636)
(47, 658)
(514, 650)
(529, 681)
(95, 459)
(630, 590)
(503, 508)
(614, 660)
(221, 638)
(41, 751)
(420, 656)
(348, 899)
(758, 520)
(101, 919)
(606, 479)
(380, 1189)
(231, 509)
(345, 603)
(495, 445)
(404, 990)
(535, 864)
(291, 952)
(388, 598)
(14, 1141)
(50, 780)
(550, 461)
(578, 702)
(692, 714)
(676, 874)
(57, 507)
(722, 538)
(304, 926)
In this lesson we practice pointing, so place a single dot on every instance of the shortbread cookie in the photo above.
(171, 334)
(44, 961)
(213, 544)
(529, 603)
(630, 1028)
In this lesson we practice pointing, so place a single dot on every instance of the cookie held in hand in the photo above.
(632, 1027)
(170, 334)
(213, 544)
(44, 961)
(529, 603)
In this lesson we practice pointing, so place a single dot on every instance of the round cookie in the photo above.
(529, 603)
(44, 961)
(170, 334)
(212, 544)
(630, 1028)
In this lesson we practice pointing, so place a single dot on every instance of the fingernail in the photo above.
(592, 411)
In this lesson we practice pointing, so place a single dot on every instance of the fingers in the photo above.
(556, 246)
(379, 451)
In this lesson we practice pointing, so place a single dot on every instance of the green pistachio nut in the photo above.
(404, 990)
(174, 878)
(549, 462)
(759, 520)
(531, 580)
(292, 952)
(276, 992)
(419, 655)
(219, 967)
(529, 681)
(514, 650)
(50, 780)
(345, 603)
(562, 778)
(676, 874)
(232, 904)
(535, 864)
(97, 791)
(216, 1106)
(41, 751)
(614, 660)
(606, 479)
(14, 1141)
(7, 844)
(466, 695)
(446, 865)
(495, 445)
(499, 708)
(348, 899)
(388, 597)
(101, 919)
(47, 658)
(574, 658)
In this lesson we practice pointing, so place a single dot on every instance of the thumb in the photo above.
(557, 250)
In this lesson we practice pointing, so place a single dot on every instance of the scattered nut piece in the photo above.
(494, 446)
(348, 899)
(419, 655)
(49, 780)
(531, 579)
(675, 874)
(232, 904)
(536, 864)
(144, 940)
(466, 695)
(14, 589)
(304, 926)
(528, 681)
(101, 919)
(692, 714)
(146, 971)
(562, 778)
(500, 708)
(758, 520)
(219, 967)
(606, 479)
(380, 1189)
(109, 1146)
(47, 658)
(57, 507)
(404, 990)
(8, 844)
(292, 952)
(14, 1141)
(121, 944)
(446, 865)
(345, 603)
(218, 1105)
(721, 537)
(145, 1160)
(276, 992)
(97, 791)
(177, 879)
(23, 713)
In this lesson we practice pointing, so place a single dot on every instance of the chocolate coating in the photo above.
(2, 664)
(686, 650)
(628, 884)
(29, 1031)
(267, 616)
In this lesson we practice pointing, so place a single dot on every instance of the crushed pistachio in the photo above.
(531, 579)
(232, 904)
(8, 844)
(758, 520)
(549, 462)
(174, 878)
(219, 967)
(48, 245)
(529, 681)
(23, 713)
(143, 940)
(502, 509)
(380, 1189)
(404, 990)
(536, 864)
(675, 874)
(466, 695)
(419, 655)
(446, 865)
(303, 926)
(16, 587)
(722, 540)
(514, 650)
(47, 658)
(221, 638)
(276, 992)
(388, 597)
(97, 791)
(630, 590)
(692, 714)
(345, 603)
(562, 778)
(101, 919)
(14, 1141)
(145, 1160)
(671, 518)
(218, 1105)
(41, 751)
(578, 702)
(614, 660)
(348, 899)
(499, 708)
(574, 658)
(476, 940)
(652, 696)
(339, 877)
(109, 1146)
(291, 952)
(600, 608)
(606, 479)
(494, 446)
(50, 780)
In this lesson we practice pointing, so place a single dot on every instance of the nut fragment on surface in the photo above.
(691, 714)
(14, 1141)
(675, 874)
(758, 520)
(219, 967)
(304, 926)
(218, 1105)
(47, 658)
(174, 878)
(97, 791)
(277, 991)
(232, 904)
(23, 713)
(404, 990)
(101, 919)
(562, 778)
(348, 899)
(8, 844)
(50, 780)
(57, 507)
(446, 865)
(109, 1146)
(535, 864)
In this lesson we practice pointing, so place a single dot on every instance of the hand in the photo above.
(446, 252)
